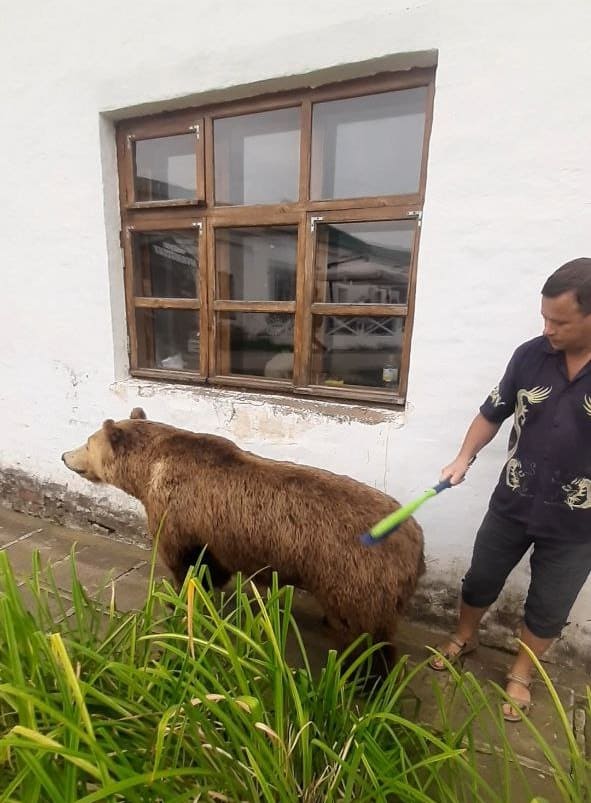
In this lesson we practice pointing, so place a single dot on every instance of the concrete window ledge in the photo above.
(133, 391)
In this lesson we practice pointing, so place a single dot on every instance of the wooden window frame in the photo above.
(204, 217)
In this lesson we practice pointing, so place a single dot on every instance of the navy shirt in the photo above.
(546, 481)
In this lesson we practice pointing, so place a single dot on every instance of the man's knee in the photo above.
(480, 590)
(544, 627)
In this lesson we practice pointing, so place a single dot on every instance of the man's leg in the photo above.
(499, 546)
(558, 572)
(522, 669)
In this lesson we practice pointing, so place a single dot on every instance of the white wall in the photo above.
(507, 202)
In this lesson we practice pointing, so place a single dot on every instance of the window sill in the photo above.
(361, 412)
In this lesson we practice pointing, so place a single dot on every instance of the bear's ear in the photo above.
(115, 434)
(138, 413)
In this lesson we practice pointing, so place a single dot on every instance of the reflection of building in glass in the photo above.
(168, 264)
(360, 272)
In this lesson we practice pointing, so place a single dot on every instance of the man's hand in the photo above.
(456, 471)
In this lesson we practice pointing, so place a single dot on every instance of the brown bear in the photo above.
(253, 514)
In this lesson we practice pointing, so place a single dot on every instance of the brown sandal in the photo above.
(465, 647)
(520, 707)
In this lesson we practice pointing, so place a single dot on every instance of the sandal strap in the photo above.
(526, 682)
(455, 640)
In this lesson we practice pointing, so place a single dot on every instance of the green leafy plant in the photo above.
(191, 698)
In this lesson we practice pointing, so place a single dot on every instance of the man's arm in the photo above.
(480, 432)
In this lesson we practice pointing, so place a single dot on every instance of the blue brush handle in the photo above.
(367, 540)
(442, 486)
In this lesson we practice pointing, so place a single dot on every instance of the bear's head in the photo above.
(93, 458)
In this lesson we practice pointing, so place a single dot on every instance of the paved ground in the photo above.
(128, 567)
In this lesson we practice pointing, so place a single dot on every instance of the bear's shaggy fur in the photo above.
(254, 514)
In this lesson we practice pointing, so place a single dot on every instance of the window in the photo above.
(272, 243)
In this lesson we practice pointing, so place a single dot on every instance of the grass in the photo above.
(192, 699)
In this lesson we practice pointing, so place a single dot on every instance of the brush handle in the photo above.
(442, 486)
(390, 523)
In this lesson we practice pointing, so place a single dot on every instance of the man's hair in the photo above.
(573, 276)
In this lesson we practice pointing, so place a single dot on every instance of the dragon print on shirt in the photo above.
(577, 492)
(495, 397)
(514, 472)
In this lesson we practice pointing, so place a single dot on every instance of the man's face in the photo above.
(565, 326)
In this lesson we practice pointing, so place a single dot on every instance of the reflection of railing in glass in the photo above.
(357, 350)
(361, 326)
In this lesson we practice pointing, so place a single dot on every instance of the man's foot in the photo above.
(452, 651)
(518, 689)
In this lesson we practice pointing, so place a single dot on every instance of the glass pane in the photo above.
(166, 264)
(256, 263)
(168, 338)
(255, 343)
(363, 263)
(165, 168)
(356, 351)
(368, 146)
(257, 158)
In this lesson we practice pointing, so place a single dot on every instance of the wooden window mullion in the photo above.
(304, 291)
(305, 150)
(211, 318)
(129, 296)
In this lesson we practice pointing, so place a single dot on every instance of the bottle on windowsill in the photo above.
(390, 374)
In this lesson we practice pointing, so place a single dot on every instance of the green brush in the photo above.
(391, 523)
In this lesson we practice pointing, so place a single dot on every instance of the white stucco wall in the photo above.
(508, 200)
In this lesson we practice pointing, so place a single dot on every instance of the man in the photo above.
(543, 497)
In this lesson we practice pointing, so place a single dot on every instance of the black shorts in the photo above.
(559, 569)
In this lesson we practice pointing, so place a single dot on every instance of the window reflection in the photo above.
(165, 168)
(255, 344)
(166, 264)
(257, 158)
(168, 338)
(370, 145)
(256, 263)
(363, 263)
(362, 350)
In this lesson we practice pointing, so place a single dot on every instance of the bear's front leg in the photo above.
(185, 557)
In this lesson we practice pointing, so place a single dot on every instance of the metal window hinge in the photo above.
(197, 129)
(313, 220)
(128, 345)
(197, 224)
(418, 214)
